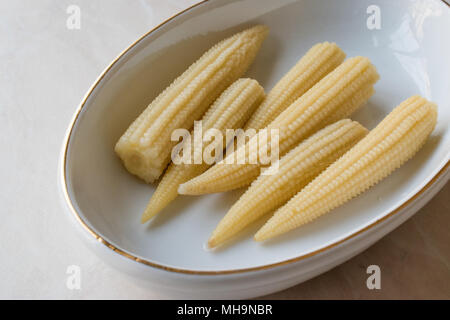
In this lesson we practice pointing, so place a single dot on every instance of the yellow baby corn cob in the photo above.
(296, 169)
(146, 146)
(334, 97)
(396, 139)
(320, 60)
(230, 111)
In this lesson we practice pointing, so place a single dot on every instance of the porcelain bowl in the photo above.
(411, 52)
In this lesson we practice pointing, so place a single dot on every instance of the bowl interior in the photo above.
(410, 51)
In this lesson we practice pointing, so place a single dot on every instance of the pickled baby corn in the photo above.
(296, 169)
(146, 146)
(320, 60)
(334, 97)
(396, 139)
(231, 110)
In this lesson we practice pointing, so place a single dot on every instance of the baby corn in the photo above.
(146, 146)
(320, 60)
(334, 97)
(396, 139)
(231, 110)
(296, 169)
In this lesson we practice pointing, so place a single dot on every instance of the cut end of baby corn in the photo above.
(395, 140)
(230, 111)
(296, 169)
(320, 60)
(335, 97)
(146, 146)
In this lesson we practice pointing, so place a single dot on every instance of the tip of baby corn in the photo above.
(144, 218)
(147, 215)
(187, 188)
(150, 211)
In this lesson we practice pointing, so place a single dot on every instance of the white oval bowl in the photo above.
(411, 53)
